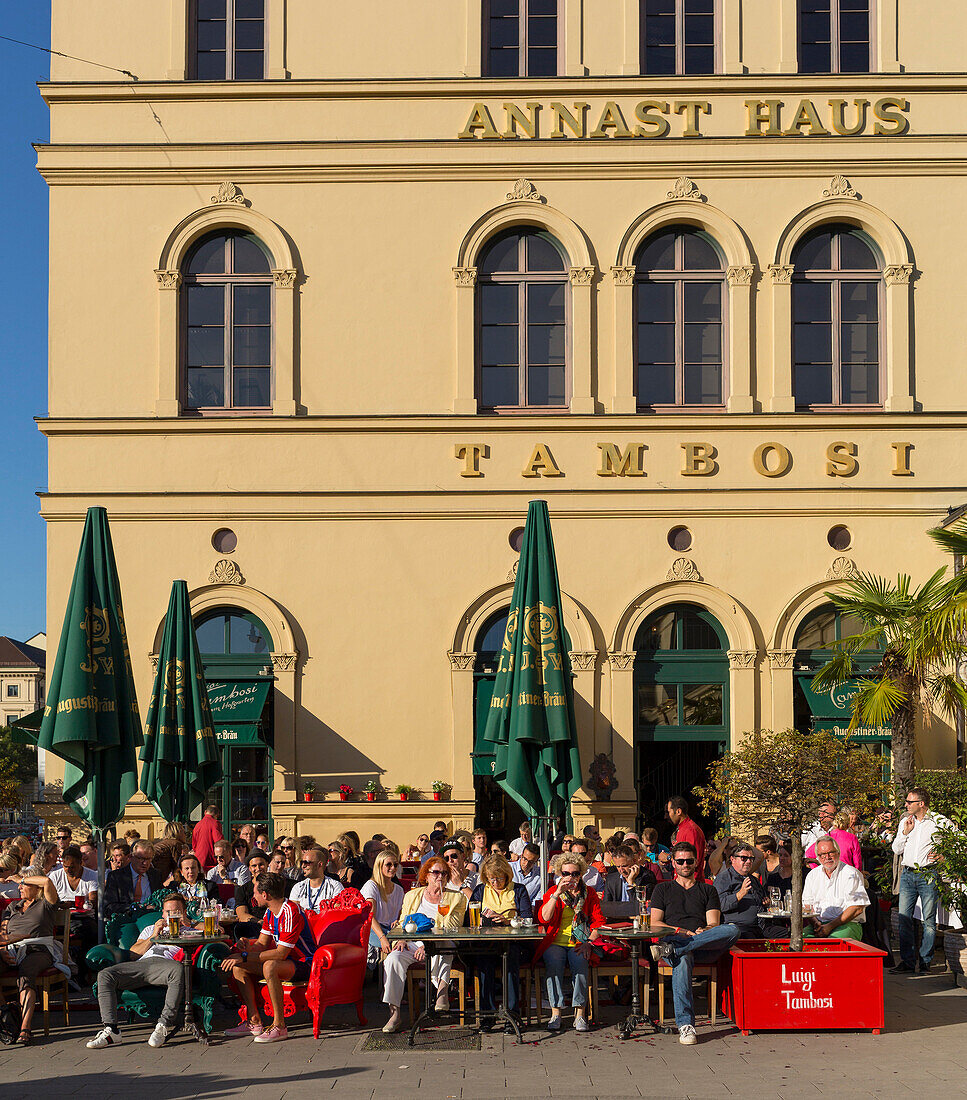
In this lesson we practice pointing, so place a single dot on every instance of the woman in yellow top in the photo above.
(446, 908)
(500, 900)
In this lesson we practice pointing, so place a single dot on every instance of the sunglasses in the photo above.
(451, 857)
(288, 847)
(685, 862)
(308, 862)
(437, 871)
(744, 859)
(569, 874)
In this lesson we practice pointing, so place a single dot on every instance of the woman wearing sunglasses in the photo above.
(446, 908)
(339, 863)
(386, 898)
(571, 916)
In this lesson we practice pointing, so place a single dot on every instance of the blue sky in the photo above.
(23, 318)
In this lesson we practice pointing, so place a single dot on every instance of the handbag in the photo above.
(11, 1022)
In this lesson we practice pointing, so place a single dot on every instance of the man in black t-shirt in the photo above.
(693, 909)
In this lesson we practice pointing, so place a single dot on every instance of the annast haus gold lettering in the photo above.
(658, 118)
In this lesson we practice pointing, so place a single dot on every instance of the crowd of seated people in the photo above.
(711, 894)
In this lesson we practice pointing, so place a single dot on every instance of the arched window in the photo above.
(229, 40)
(679, 310)
(232, 632)
(227, 331)
(836, 307)
(520, 37)
(522, 309)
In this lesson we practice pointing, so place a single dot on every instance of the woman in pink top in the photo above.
(849, 845)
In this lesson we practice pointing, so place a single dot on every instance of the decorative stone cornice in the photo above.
(683, 569)
(621, 662)
(465, 276)
(512, 571)
(168, 280)
(685, 188)
(284, 662)
(840, 188)
(897, 274)
(228, 193)
(461, 662)
(285, 278)
(742, 658)
(780, 273)
(153, 658)
(623, 276)
(524, 191)
(583, 662)
(225, 572)
(781, 658)
(739, 274)
(842, 569)
(581, 276)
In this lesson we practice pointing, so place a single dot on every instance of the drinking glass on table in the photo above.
(474, 910)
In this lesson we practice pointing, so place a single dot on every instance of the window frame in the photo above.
(522, 43)
(13, 691)
(228, 281)
(229, 43)
(835, 43)
(837, 278)
(523, 279)
(717, 50)
(679, 277)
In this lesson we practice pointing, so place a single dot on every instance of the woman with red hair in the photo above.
(431, 898)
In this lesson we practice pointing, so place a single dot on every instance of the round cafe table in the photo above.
(190, 945)
(634, 938)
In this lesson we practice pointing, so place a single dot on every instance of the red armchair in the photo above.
(341, 930)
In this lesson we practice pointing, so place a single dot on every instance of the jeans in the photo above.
(705, 947)
(914, 885)
(555, 959)
(136, 975)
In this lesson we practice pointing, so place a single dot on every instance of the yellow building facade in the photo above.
(333, 295)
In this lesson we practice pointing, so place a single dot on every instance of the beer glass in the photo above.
(174, 926)
(474, 910)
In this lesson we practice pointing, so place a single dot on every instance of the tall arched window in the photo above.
(234, 633)
(520, 37)
(522, 303)
(836, 307)
(227, 329)
(679, 310)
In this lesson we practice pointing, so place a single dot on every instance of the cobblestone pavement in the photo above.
(924, 1048)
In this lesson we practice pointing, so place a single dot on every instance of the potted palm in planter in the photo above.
(404, 791)
(344, 792)
(440, 788)
(371, 789)
(788, 984)
(308, 790)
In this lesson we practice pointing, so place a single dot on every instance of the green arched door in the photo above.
(681, 707)
(236, 649)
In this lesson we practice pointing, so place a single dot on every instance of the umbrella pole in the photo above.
(100, 886)
(542, 842)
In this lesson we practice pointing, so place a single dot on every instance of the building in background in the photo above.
(335, 290)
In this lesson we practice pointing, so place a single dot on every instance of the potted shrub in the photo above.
(371, 789)
(308, 790)
(785, 777)
(950, 871)
(440, 788)
(404, 791)
(344, 792)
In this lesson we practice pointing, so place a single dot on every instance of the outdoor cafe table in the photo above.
(492, 938)
(635, 938)
(191, 945)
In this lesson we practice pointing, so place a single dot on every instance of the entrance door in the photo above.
(682, 706)
(236, 651)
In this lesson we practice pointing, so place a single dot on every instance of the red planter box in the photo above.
(832, 984)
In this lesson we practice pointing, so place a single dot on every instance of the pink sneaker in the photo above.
(273, 1035)
(247, 1030)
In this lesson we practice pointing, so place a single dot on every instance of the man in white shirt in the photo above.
(518, 845)
(827, 815)
(73, 878)
(592, 876)
(914, 844)
(527, 871)
(316, 886)
(837, 893)
(155, 964)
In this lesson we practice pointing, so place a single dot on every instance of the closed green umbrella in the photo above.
(91, 717)
(180, 758)
(531, 716)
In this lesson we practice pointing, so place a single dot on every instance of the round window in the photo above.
(224, 540)
(839, 537)
(516, 539)
(680, 538)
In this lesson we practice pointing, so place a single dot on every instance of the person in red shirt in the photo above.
(686, 830)
(204, 836)
(282, 953)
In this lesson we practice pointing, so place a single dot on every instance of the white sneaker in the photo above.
(160, 1035)
(580, 1023)
(687, 1036)
(106, 1037)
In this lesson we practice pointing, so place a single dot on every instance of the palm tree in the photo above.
(920, 633)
